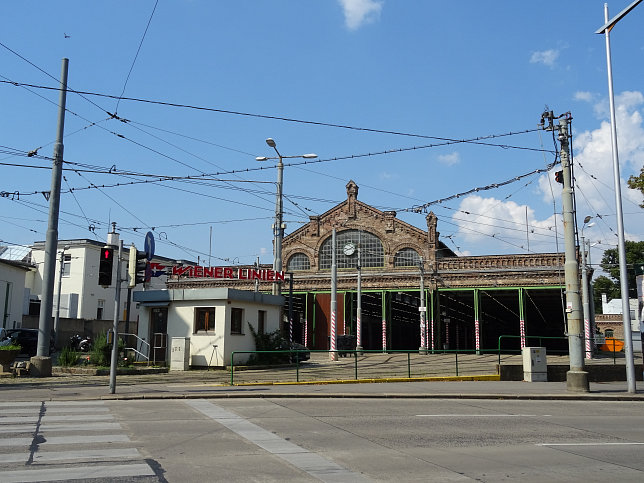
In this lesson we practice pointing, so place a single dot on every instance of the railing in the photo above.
(141, 344)
(551, 351)
(363, 365)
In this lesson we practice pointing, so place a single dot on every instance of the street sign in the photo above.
(422, 309)
(149, 245)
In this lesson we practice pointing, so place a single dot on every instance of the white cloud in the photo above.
(545, 57)
(482, 220)
(584, 96)
(359, 12)
(450, 159)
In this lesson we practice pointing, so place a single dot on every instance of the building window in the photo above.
(609, 332)
(99, 309)
(236, 318)
(67, 265)
(204, 319)
(407, 257)
(372, 253)
(299, 261)
(261, 322)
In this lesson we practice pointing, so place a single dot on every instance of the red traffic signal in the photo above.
(559, 177)
(105, 264)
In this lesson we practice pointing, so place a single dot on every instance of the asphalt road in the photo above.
(325, 439)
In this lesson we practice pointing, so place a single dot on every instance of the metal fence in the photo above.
(372, 365)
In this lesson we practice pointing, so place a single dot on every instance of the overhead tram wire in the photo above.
(477, 140)
(136, 56)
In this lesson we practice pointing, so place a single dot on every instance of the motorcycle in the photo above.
(78, 343)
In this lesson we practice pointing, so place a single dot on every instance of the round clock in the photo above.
(349, 249)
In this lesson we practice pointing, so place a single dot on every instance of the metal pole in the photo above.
(588, 334)
(626, 311)
(278, 231)
(60, 283)
(51, 242)
(359, 302)
(115, 328)
(422, 309)
(290, 307)
(256, 279)
(333, 355)
(576, 377)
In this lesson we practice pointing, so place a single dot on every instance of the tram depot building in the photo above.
(470, 300)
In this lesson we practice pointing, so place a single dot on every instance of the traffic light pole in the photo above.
(115, 328)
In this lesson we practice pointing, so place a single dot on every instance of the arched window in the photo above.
(299, 261)
(407, 257)
(609, 332)
(372, 254)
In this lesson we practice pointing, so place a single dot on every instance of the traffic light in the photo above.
(105, 265)
(559, 176)
(138, 268)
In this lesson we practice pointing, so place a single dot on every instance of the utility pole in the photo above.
(51, 242)
(576, 377)
(115, 328)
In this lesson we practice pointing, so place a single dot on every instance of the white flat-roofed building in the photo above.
(216, 321)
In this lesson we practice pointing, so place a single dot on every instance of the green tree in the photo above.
(610, 265)
(603, 284)
(637, 183)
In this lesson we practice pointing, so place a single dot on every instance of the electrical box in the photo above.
(180, 354)
(535, 365)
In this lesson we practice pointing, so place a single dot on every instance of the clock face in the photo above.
(348, 249)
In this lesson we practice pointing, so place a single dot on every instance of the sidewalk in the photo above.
(213, 384)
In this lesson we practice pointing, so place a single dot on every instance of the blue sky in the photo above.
(396, 75)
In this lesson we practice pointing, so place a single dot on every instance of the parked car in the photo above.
(27, 339)
(303, 353)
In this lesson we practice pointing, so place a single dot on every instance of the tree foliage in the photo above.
(610, 264)
(637, 183)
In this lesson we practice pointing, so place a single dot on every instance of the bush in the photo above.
(68, 357)
(101, 353)
(272, 341)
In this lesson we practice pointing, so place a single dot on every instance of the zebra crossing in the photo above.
(66, 440)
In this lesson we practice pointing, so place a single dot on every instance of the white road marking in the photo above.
(77, 473)
(16, 442)
(56, 410)
(311, 463)
(95, 438)
(23, 404)
(46, 418)
(44, 428)
(483, 415)
(589, 444)
(86, 454)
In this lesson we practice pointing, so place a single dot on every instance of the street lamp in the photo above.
(626, 311)
(278, 227)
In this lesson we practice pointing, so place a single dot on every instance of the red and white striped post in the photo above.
(432, 333)
(477, 336)
(522, 332)
(306, 333)
(358, 332)
(384, 335)
(587, 334)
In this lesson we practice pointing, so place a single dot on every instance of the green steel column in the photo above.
(384, 321)
(315, 304)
